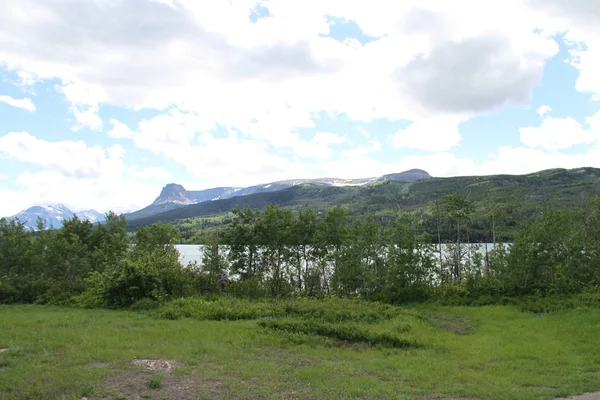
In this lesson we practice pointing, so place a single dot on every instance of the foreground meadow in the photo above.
(303, 349)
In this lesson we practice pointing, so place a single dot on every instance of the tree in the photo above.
(410, 263)
(273, 233)
(241, 237)
(332, 233)
(150, 270)
(302, 239)
(16, 258)
(458, 210)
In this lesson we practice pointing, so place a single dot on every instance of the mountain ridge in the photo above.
(174, 196)
(53, 216)
(386, 198)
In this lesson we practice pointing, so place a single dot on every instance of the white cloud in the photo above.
(520, 160)
(318, 146)
(70, 158)
(587, 62)
(73, 173)
(434, 134)
(216, 161)
(233, 96)
(561, 133)
(207, 57)
(24, 104)
(363, 131)
(182, 138)
(359, 151)
(578, 20)
(84, 101)
(543, 110)
(152, 174)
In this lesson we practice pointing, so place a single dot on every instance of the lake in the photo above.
(193, 252)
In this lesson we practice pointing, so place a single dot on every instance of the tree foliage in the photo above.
(277, 252)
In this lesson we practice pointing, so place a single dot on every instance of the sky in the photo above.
(103, 102)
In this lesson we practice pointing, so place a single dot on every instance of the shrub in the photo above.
(144, 304)
(227, 308)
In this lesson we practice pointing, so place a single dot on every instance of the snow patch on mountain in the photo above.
(53, 216)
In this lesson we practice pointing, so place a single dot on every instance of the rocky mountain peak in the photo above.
(173, 193)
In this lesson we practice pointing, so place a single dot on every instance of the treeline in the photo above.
(90, 265)
(276, 252)
(557, 251)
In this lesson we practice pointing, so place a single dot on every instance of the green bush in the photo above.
(224, 308)
(336, 310)
(144, 304)
(229, 308)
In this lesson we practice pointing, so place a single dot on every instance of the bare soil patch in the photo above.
(447, 398)
(157, 379)
(157, 365)
(3, 349)
(586, 396)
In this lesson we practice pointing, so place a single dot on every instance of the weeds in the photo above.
(232, 309)
(352, 333)
(154, 384)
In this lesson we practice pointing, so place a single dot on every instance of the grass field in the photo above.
(297, 350)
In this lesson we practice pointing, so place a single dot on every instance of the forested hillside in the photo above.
(515, 197)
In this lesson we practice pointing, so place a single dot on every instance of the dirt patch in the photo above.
(157, 365)
(586, 396)
(448, 398)
(3, 349)
(145, 383)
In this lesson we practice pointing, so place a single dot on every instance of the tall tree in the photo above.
(302, 241)
(240, 236)
(458, 209)
(332, 233)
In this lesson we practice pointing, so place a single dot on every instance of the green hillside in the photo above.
(523, 195)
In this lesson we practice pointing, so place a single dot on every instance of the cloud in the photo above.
(543, 110)
(238, 102)
(477, 74)
(561, 133)
(578, 21)
(216, 161)
(584, 12)
(434, 134)
(520, 160)
(363, 131)
(73, 173)
(70, 158)
(83, 104)
(209, 58)
(360, 151)
(24, 104)
(185, 139)
(152, 174)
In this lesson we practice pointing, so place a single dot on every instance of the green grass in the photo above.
(298, 350)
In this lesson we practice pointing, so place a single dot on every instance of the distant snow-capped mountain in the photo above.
(53, 216)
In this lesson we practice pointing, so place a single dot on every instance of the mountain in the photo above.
(174, 196)
(53, 216)
(410, 175)
(384, 198)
